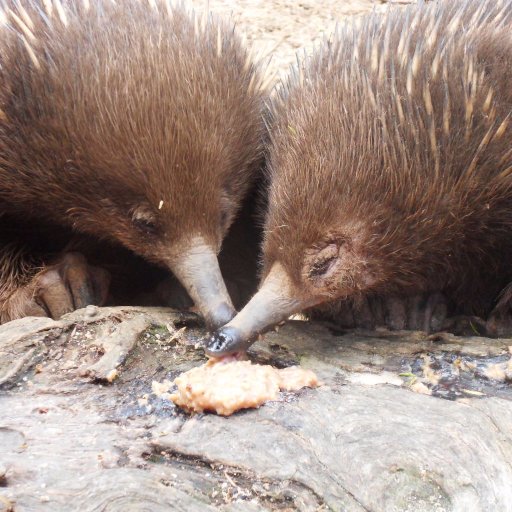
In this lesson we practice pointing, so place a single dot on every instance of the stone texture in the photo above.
(363, 441)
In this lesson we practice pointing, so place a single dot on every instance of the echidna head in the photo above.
(174, 219)
(300, 274)
(134, 121)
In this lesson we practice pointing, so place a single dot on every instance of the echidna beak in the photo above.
(273, 303)
(226, 341)
(198, 270)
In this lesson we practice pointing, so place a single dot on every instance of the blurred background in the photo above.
(281, 27)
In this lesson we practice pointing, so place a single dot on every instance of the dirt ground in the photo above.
(280, 28)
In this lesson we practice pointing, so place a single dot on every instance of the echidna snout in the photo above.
(275, 301)
(197, 269)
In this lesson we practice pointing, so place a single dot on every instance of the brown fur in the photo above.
(17, 270)
(390, 162)
(134, 121)
(24, 251)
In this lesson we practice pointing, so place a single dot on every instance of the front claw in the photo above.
(499, 322)
(423, 312)
(69, 284)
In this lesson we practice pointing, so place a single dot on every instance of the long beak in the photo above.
(274, 302)
(198, 270)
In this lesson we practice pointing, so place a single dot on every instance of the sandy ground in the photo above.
(280, 28)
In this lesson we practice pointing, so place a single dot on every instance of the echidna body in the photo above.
(132, 121)
(390, 166)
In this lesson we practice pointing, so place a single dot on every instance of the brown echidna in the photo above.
(390, 166)
(133, 121)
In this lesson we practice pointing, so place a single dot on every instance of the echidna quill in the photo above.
(134, 121)
(390, 167)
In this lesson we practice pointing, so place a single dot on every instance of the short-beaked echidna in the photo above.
(390, 166)
(134, 121)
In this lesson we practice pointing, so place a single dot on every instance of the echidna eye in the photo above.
(145, 225)
(321, 267)
(144, 219)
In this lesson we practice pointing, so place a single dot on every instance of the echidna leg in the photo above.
(57, 289)
(499, 322)
(425, 312)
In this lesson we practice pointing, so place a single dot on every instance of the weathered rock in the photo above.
(363, 441)
(21, 343)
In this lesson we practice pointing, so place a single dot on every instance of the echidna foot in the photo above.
(58, 289)
(425, 312)
(499, 322)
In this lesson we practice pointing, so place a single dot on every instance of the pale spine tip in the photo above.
(26, 18)
(31, 53)
(251, 83)
(409, 81)
(502, 128)
(219, 42)
(415, 67)
(248, 60)
(454, 24)
(487, 103)
(28, 33)
(427, 99)
(434, 69)
(375, 56)
(196, 25)
(168, 8)
(48, 7)
(61, 12)
(204, 21)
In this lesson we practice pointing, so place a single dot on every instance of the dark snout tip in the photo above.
(220, 316)
(225, 342)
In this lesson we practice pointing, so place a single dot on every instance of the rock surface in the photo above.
(72, 441)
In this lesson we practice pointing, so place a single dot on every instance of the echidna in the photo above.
(134, 121)
(390, 166)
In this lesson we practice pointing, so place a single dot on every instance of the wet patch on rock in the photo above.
(453, 376)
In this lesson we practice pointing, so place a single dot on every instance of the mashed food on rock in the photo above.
(227, 387)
